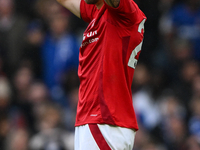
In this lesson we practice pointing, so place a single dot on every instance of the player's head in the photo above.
(92, 1)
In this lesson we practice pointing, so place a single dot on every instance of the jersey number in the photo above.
(132, 61)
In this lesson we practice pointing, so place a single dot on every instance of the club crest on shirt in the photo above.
(92, 23)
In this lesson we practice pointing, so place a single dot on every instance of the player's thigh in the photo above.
(103, 137)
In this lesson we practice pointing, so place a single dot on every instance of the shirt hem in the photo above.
(135, 127)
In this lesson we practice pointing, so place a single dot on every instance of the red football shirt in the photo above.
(108, 55)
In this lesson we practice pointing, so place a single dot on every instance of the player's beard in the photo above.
(91, 1)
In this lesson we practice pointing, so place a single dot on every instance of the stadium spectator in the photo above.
(17, 140)
(38, 97)
(183, 86)
(51, 135)
(21, 106)
(59, 55)
(12, 31)
(182, 21)
(145, 105)
(32, 48)
(173, 124)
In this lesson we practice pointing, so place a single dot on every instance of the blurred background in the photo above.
(39, 48)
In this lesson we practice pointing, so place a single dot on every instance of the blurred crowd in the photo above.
(39, 48)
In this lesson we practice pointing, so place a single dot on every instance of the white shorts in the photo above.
(103, 137)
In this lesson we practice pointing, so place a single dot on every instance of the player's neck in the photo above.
(99, 4)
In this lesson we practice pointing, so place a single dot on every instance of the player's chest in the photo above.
(94, 33)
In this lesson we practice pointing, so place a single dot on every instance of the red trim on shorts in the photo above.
(98, 137)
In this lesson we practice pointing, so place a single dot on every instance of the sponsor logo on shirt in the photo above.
(89, 36)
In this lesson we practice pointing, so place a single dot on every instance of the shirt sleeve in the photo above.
(127, 13)
(87, 11)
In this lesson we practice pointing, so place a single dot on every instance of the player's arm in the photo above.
(72, 5)
(113, 3)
